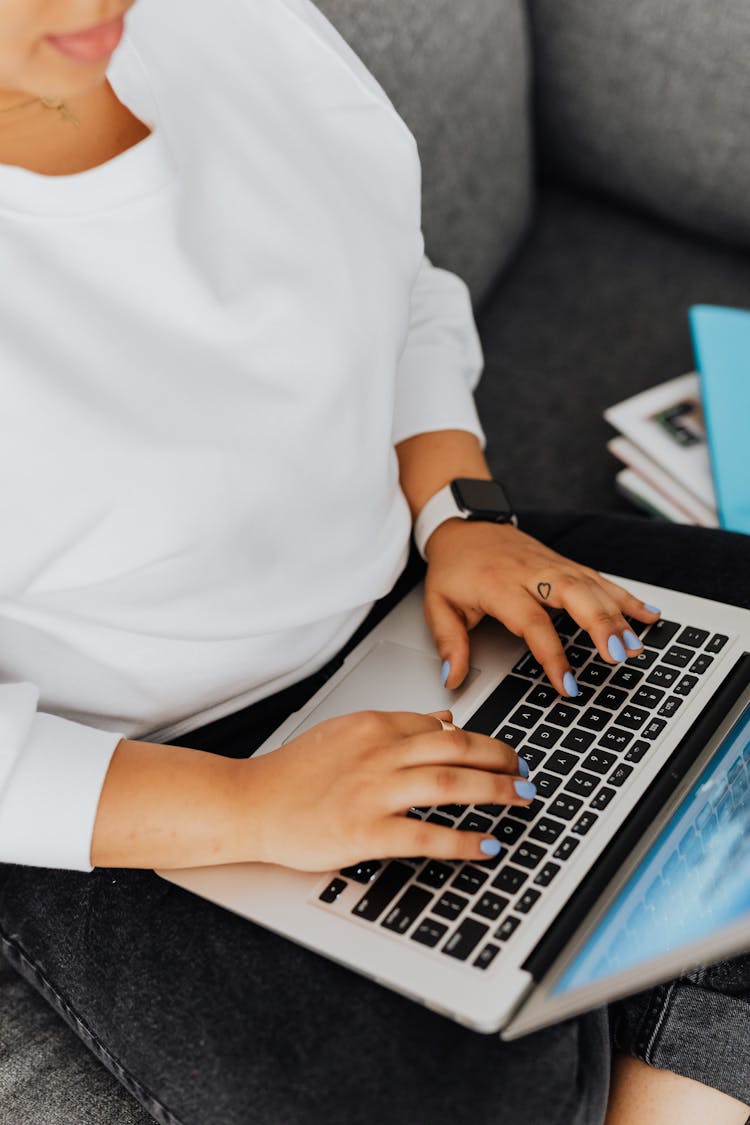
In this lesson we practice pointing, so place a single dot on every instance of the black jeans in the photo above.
(210, 1020)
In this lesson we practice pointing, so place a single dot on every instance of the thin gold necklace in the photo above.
(50, 103)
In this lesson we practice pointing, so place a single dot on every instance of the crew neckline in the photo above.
(141, 170)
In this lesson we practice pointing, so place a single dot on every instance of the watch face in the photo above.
(484, 499)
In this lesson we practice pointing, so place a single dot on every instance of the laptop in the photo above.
(631, 866)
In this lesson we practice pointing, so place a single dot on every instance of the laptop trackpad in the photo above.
(390, 677)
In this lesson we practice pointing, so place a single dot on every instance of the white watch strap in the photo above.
(439, 508)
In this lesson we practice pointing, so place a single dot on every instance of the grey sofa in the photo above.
(586, 170)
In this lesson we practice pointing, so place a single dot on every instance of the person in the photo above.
(231, 381)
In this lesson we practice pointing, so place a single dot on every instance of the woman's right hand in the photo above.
(339, 793)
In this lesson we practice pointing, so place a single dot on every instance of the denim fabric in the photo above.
(207, 1018)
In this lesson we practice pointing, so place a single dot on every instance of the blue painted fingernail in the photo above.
(570, 685)
(651, 608)
(525, 789)
(616, 648)
(523, 767)
(445, 672)
(630, 639)
(490, 846)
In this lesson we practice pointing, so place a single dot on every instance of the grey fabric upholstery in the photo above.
(648, 101)
(458, 74)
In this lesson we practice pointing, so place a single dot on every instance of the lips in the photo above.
(90, 46)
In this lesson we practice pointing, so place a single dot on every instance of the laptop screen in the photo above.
(693, 880)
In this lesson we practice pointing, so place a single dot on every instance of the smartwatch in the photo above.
(465, 499)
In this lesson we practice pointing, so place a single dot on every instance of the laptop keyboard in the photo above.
(582, 754)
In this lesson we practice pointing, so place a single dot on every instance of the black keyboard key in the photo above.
(660, 634)
(654, 729)
(584, 639)
(507, 928)
(527, 813)
(585, 822)
(616, 739)
(648, 696)
(565, 624)
(577, 657)
(527, 900)
(594, 719)
(530, 667)
(452, 810)
(696, 638)
(529, 855)
(542, 696)
(562, 715)
(493, 811)
(644, 659)
(429, 932)
(511, 735)
(670, 707)
(508, 831)
(637, 751)
(473, 822)
(600, 761)
(632, 717)
(565, 848)
(486, 956)
(686, 685)
(661, 676)
(509, 692)
(545, 876)
(602, 799)
(547, 830)
(415, 814)
(717, 642)
(362, 872)
(533, 756)
(464, 939)
(526, 716)
(490, 906)
(678, 657)
(611, 697)
(701, 664)
(578, 740)
(546, 783)
(564, 806)
(333, 890)
(544, 736)
(435, 874)
(406, 911)
(626, 677)
(595, 673)
(510, 880)
(561, 762)
(383, 891)
(469, 879)
(450, 906)
(582, 784)
(584, 697)
(620, 775)
(438, 818)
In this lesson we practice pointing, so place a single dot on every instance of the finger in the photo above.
(628, 603)
(421, 786)
(461, 748)
(590, 604)
(403, 836)
(390, 726)
(529, 620)
(448, 628)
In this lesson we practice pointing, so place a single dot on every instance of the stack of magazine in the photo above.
(663, 447)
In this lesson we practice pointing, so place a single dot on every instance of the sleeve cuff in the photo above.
(49, 806)
(431, 394)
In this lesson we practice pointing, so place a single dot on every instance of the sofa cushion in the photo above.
(648, 100)
(458, 74)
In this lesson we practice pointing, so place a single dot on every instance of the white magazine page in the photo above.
(668, 486)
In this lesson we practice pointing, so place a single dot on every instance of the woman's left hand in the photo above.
(477, 568)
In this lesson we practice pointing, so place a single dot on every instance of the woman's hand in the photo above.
(483, 568)
(339, 793)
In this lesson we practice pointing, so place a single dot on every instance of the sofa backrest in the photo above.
(457, 72)
(649, 101)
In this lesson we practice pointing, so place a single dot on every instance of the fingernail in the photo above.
(445, 672)
(490, 846)
(630, 639)
(525, 789)
(570, 685)
(651, 608)
(616, 648)
(523, 767)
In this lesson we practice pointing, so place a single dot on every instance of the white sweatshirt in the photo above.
(208, 348)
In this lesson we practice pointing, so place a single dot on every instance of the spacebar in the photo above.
(496, 707)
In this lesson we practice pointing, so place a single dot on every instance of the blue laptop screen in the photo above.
(694, 879)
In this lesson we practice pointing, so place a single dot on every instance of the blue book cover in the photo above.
(722, 349)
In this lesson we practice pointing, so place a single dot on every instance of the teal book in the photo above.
(722, 350)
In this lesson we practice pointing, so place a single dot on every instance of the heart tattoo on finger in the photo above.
(544, 589)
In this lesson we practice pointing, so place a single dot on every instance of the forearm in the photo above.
(167, 806)
(429, 461)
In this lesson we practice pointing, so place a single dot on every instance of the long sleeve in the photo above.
(51, 776)
(442, 359)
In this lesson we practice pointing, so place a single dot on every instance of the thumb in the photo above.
(448, 629)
